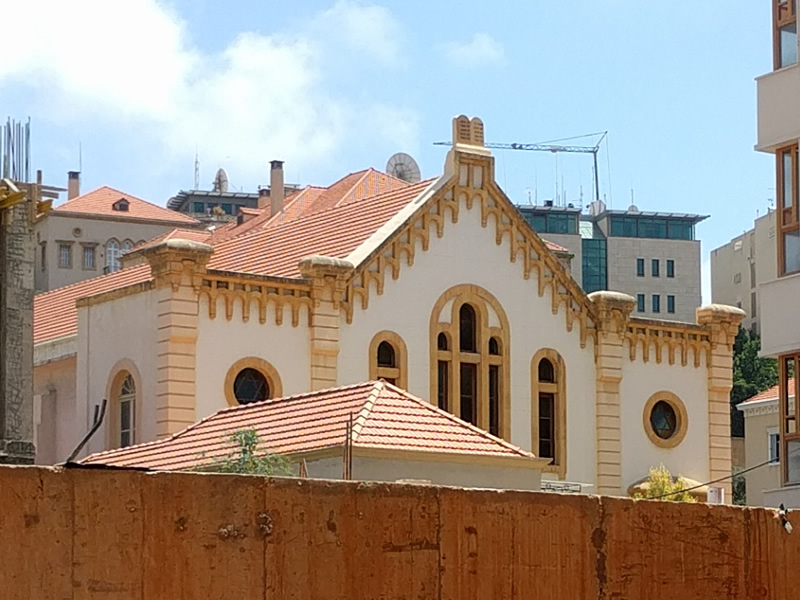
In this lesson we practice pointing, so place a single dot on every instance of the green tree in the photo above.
(751, 375)
(247, 459)
(663, 486)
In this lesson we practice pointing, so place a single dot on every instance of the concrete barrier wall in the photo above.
(122, 534)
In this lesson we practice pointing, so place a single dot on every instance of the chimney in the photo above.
(276, 187)
(73, 184)
(263, 197)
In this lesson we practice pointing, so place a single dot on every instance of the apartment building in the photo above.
(739, 267)
(652, 256)
(778, 134)
(85, 236)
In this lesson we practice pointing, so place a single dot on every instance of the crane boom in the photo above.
(554, 148)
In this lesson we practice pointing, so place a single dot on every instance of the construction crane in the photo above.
(551, 146)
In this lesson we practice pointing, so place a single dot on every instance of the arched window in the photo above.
(112, 256)
(126, 404)
(548, 393)
(467, 329)
(470, 377)
(251, 380)
(127, 246)
(388, 359)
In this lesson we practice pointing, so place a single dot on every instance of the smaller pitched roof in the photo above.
(54, 312)
(193, 235)
(772, 393)
(102, 201)
(553, 247)
(384, 417)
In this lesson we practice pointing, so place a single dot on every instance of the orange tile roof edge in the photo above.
(772, 393)
(368, 395)
(94, 202)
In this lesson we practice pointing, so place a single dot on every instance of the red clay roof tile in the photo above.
(771, 394)
(385, 417)
(102, 200)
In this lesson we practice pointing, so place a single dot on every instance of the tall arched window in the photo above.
(548, 393)
(126, 404)
(127, 246)
(470, 376)
(388, 359)
(112, 256)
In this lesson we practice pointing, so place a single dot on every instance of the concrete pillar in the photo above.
(723, 325)
(17, 255)
(328, 282)
(613, 312)
(177, 267)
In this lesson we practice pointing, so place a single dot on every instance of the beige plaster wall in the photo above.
(221, 343)
(468, 254)
(472, 474)
(56, 430)
(111, 334)
(640, 381)
(757, 424)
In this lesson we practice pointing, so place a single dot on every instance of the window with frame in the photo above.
(656, 303)
(655, 265)
(640, 267)
(640, 303)
(88, 257)
(65, 256)
(469, 361)
(112, 256)
(789, 452)
(548, 423)
(784, 33)
(773, 445)
(127, 412)
(388, 359)
(670, 268)
(671, 304)
(788, 223)
(43, 259)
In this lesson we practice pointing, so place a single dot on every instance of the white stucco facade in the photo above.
(460, 242)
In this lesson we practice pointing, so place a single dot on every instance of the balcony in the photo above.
(780, 317)
(778, 108)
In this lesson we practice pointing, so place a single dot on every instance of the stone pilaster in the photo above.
(17, 255)
(613, 312)
(722, 323)
(328, 278)
(177, 267)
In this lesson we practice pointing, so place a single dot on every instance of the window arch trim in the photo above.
(480, 300)
(559, 390)
(262, 366)
(400, 372)
(121, 369)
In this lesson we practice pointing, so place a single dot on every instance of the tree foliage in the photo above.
(663, 486)
(751, 375)
(248, 459)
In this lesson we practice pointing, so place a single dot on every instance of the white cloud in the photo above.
(132, 65)
(482, 49)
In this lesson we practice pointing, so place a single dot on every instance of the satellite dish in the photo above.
(597, 207)
(633, 208)
(221, 181)
(402, 166)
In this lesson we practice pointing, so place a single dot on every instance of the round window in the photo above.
(249, 386)
(663, 420)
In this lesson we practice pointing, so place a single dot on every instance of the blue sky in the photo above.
(334, 87)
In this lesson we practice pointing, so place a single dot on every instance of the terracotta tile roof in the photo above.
(102, 200)
(553, 247)
(277, 250)
(384, 417)
(771, 394)
(193, 235)
(54, 312)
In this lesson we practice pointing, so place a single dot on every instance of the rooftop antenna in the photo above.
(196, 169)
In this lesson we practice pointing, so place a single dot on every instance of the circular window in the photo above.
(249, 386)
(665, 419)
